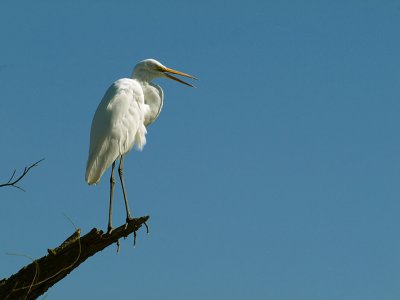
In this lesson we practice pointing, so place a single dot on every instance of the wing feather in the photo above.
(117, 126)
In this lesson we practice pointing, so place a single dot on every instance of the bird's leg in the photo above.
(112, 183)
(121, 177)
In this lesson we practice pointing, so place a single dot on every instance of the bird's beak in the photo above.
(166, 72)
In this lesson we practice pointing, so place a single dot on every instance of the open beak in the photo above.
(166, 71)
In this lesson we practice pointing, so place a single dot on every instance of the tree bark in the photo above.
(36, 278)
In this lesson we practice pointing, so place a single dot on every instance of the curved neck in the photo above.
(153, 97)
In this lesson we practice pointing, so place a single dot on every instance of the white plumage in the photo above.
(119, 124)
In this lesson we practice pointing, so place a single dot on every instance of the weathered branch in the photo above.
(12, 183)
(36, 278)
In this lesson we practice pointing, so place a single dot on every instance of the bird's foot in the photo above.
(129, 219)
(109, 229)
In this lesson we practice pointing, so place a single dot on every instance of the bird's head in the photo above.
(149, 69)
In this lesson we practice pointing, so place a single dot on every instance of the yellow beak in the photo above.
(168, 70)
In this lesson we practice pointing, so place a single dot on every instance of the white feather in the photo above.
(117, 126)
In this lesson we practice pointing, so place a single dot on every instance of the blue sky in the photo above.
(277, 178)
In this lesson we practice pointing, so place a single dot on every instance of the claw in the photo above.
(147, 228)
(118, 246)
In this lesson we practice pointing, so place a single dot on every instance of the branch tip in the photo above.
(26, 170)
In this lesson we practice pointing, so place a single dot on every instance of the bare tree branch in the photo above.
(36, 278)
(12, 183)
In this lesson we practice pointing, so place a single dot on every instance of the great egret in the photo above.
(120, 121)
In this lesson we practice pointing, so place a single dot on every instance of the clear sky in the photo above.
(277, 178)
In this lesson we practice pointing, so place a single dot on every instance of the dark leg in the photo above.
(121, 177)
(112, 183)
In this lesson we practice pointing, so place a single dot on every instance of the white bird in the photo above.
(120, 121)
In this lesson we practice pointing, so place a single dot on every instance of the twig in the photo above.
(12, 183)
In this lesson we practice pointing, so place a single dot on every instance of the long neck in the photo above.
(153, 97)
